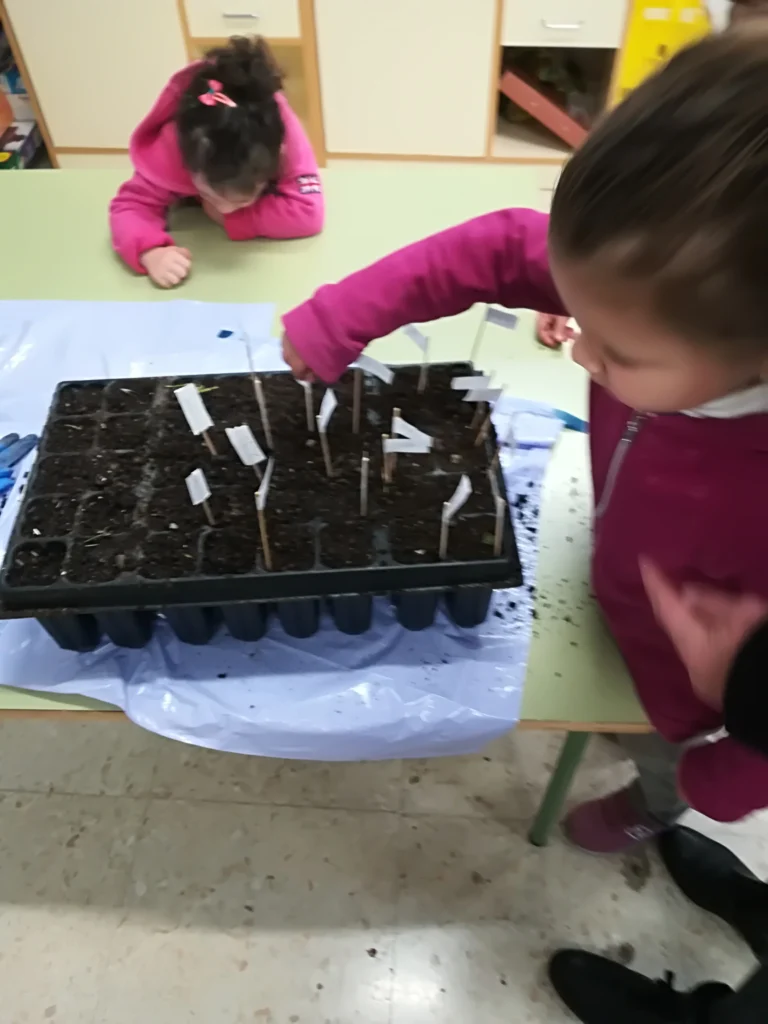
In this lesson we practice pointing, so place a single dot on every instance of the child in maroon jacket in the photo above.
(658, 246)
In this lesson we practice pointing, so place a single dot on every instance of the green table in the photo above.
(57, 247)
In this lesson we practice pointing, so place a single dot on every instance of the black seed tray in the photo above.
(106, 527)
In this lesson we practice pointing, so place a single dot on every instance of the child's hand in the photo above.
(298, 367)
(551, 330)
(167, 265)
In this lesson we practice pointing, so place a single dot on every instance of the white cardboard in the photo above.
(405, 446)
(327, 406)
(263, 491)
(501, 317)
(405, 429)
(369, 365)
(483, 395)
(459, 497)
(470, 383)
(245, 444)
(198, 488)
(417, 337)
(193, 407)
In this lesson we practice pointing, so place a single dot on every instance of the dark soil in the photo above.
(114, 456)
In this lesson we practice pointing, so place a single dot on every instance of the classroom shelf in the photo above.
(527, 141)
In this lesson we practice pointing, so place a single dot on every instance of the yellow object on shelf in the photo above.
(655, 31)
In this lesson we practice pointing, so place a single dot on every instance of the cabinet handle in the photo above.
(572, 26)
(236, 14)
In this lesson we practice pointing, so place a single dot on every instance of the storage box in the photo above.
(18, 144)
(21, 106)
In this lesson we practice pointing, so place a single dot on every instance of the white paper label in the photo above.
(470, 383)
(483, 395)
(193, 407)
(501, 317)
(198, 488)
(245, 444)
(263, 491)
(327, 406)
(417, 337)
(405, 429)
(459, 498)
(378, 369)
(406, 445)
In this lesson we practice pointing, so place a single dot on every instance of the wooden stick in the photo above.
(392, 455)
(257, 471)
(257, 387)
(326, 449)
(209, 443)
(479, 413)
(444, 528)
(357, 400)
(478, 339)
(364, 474)
(265, 539)
(498, 536)
(309, 406)
(496, 458)
(424, 372)
(384, 460)
(483, 432)
(208, 513)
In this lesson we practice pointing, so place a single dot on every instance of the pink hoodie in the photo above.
(689, 492)
(138, 213)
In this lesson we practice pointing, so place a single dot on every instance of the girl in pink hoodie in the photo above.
(658, 246)
(221, 130)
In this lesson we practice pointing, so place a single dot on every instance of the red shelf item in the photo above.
(553, 117)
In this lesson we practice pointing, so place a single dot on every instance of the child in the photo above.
(551, 330)
(658, 246)
(221, 130)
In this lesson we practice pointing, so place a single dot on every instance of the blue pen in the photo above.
(572, 422)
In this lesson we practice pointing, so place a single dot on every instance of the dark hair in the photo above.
(671, 191)
(234, 148)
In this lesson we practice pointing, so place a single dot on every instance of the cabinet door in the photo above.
(97, 65)
(404, 77)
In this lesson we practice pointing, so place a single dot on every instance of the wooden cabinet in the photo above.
(213, 19)
(97, 66)
(597, 24)
(405, 77)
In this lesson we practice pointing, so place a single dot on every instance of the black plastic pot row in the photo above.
(352, 614)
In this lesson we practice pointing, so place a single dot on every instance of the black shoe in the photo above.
(600, 991)
(716, 880)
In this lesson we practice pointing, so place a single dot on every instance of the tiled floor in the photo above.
(142, 880)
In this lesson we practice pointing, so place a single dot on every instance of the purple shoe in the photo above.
(614, 824)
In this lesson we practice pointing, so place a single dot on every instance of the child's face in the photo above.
(625, 349)
(225, 203)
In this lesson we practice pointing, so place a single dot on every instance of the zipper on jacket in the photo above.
(620, 453)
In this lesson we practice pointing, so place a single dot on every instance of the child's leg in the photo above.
(656, 761)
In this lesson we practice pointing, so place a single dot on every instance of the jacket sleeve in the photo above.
(296, 208)
(724, 780)
(746, 693)
(137, 219)
(500, 257)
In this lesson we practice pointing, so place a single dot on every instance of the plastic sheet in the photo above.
(388, 693)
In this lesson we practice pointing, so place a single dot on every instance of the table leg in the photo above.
(552, 805)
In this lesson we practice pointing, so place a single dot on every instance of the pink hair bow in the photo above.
(215, 95)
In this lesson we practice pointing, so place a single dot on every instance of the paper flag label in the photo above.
(501, 317)
(378, 369)
(263, 491)
(483, 395)
(417, 337)
(406, 445)
(198, 488)
(405, 429)
(327, 406)
(459, 498)
(245, 444)
(470, 383)
(193, 407)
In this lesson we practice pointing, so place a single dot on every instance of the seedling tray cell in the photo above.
(106, 536)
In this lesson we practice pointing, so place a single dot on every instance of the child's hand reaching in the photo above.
(167, 265)
(299, 368)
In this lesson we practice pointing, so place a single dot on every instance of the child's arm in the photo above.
(500, 257)
(296, 209)
(137, 220)
(724, 780)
